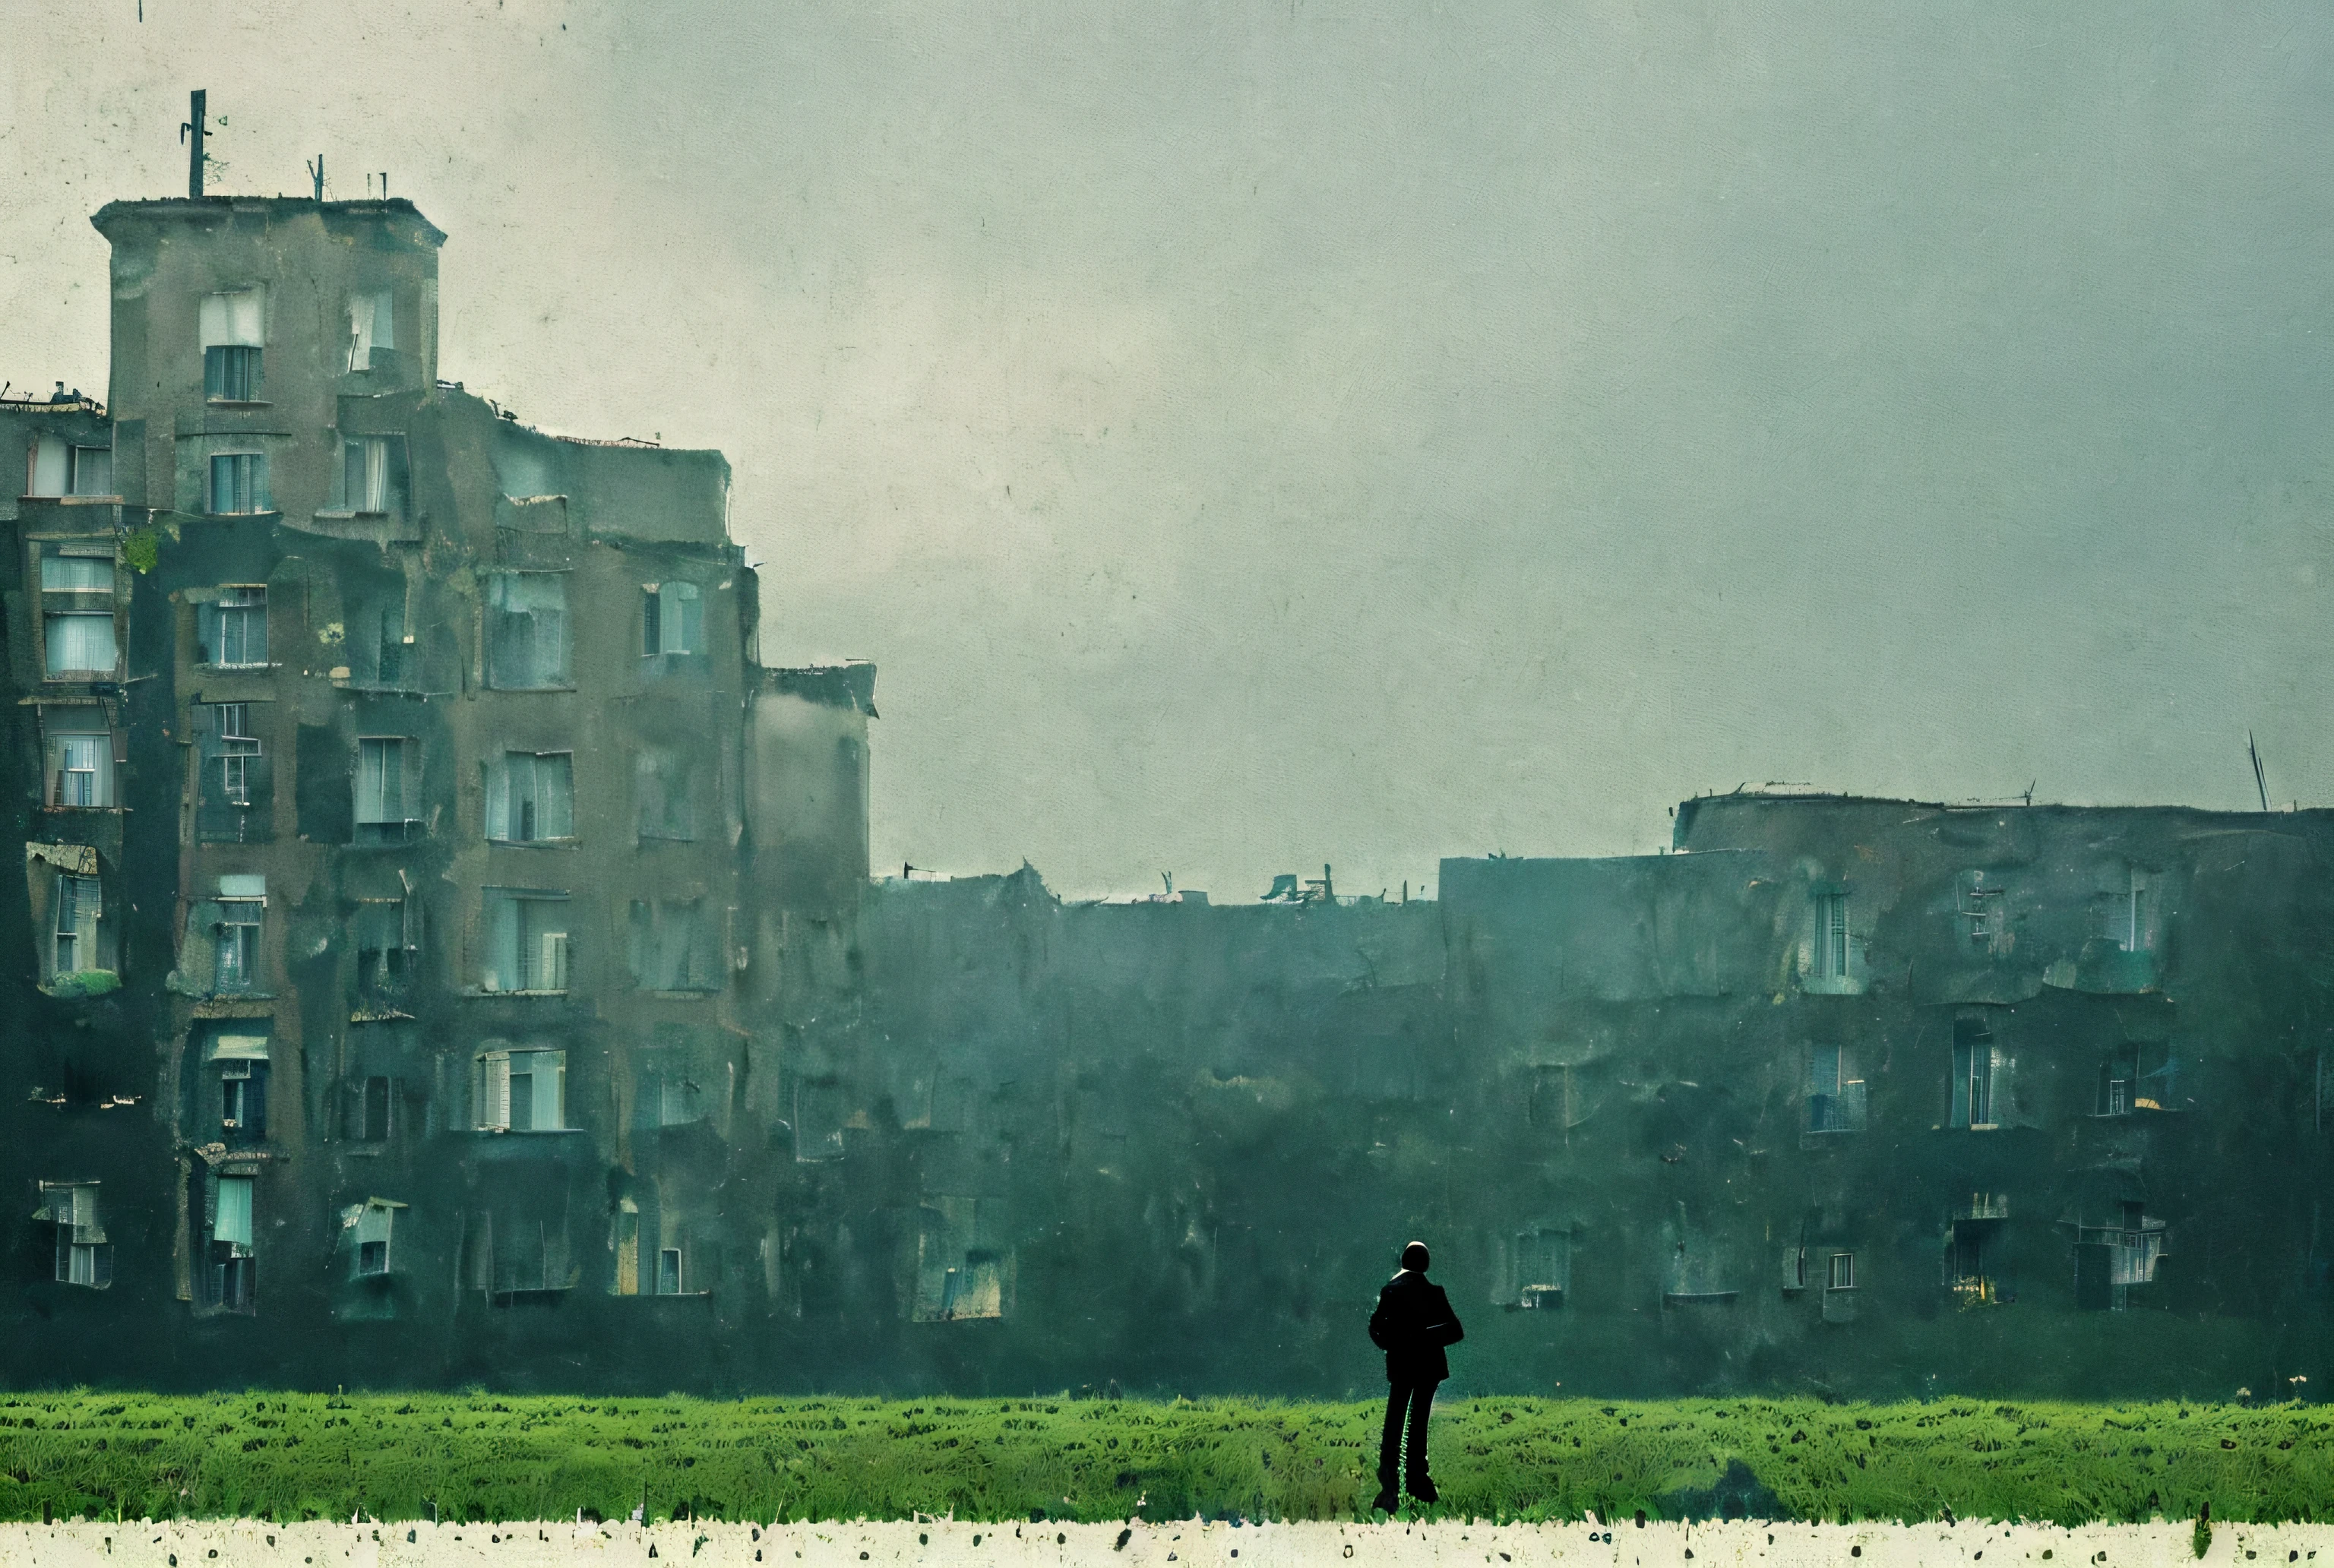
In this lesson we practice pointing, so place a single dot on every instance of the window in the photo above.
(234, 330)
(368, 1110)
(85, 1258)
(672, 947)
(384, 788)
(2126, 917)
(241, 1062)
(520, 1090)
(957, 1273)
(372, 475)
(233, 1268)
(2118, 1081)
(2111, 1258)
(48, 466)
(243, 903)
(526, 938)
(672, 618)
(531, 797)
(81, 769)
(76, 573)
(1970, 1248)
(1830, 957)
(392, 648)
(233, 631)
(527, 630)
(81, 903)
(372, 331)
(1843, 1271)
(1836, 1090)
(668, 1271)
(80, 644)
(369, 1225)
(237, 751)
(1543, 1267)
(661, 788)
(386, 935)
(628, 1246)
(239, 484)
(1972, 1084)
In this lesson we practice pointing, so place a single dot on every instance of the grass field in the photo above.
(300, 1455)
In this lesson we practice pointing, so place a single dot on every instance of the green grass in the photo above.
(296, 1455)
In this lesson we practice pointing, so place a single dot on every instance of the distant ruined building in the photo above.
(447, 954)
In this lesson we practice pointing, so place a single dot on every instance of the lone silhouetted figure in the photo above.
(1413, 1324)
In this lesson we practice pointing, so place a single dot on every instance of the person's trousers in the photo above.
(1418, 1400)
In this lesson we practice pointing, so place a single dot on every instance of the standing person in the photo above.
(1412, 1324)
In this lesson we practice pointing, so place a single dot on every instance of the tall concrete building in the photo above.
(394, 778)
(447, 954)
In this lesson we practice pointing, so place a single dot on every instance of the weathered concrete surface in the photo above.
(246, 1544)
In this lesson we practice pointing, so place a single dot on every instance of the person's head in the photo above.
(1414, 1258)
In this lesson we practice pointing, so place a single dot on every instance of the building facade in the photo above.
(448, 955)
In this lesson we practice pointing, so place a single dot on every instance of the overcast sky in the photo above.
(1253, 435)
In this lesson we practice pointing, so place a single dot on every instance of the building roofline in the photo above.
(211, 207)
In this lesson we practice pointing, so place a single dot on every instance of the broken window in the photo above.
(386, 935)
(234, 330)
(1836, 1090)
(2118, 1080)
(531, 797)
(662, 790)
(527, 630)
(83, 1255)
(1974, 1058)
(240, 1063)
(385, 788)
(239, 483)
(672, 618)
(1543, 1267)
(520, 1090)
(366, 1228)
(2110, 1258)
(232, 1275)
(518, 1248)
(81, 903)
(373, 478)
(372, 330)
(80, 644)
(526, 940)
(243, 907)
(1972, 1243)
(672, 947)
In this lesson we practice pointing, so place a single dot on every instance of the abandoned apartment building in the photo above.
(448, 955)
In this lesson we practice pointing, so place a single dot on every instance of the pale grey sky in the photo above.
(1252, 436)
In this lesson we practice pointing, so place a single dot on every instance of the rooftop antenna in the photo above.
(2260, 779)
(316, 173)
(191, 132)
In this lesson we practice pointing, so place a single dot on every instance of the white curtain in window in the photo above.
(79, 642)
(76, 574)
(233, 1221)
(47, 468)
(235, 320)
(375, 492)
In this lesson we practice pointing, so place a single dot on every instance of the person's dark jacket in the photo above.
(1413, 1324)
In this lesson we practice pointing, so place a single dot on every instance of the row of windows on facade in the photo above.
(2115, 1255)
(231, 328)
(1837, 1100)
(2124, 917)
(527, 939)
(528, 642)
